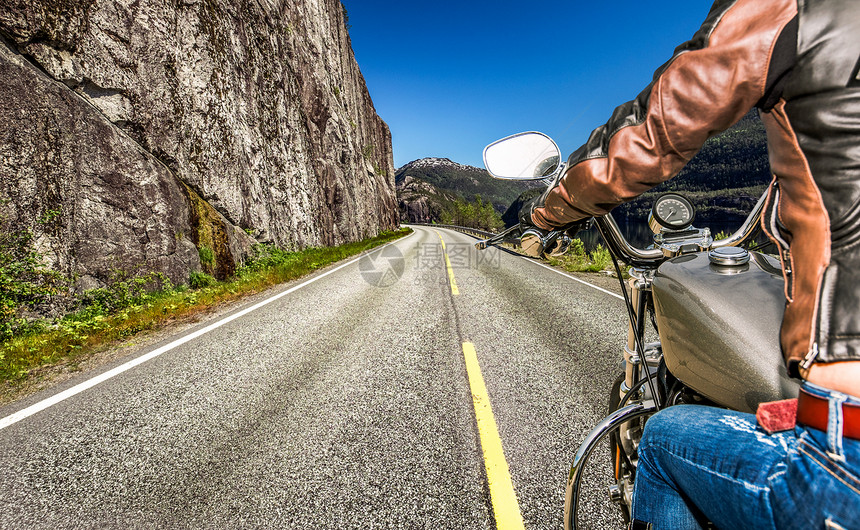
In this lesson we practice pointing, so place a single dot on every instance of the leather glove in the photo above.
(525, 213)
(532, 238)
(536, 242)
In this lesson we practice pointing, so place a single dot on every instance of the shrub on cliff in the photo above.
(25, 281)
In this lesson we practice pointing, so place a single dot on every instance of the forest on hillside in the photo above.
(725, 178)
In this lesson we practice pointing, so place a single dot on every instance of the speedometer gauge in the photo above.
(671, 212)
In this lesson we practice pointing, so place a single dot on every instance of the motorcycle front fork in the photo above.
(640, 297)
(629, 433)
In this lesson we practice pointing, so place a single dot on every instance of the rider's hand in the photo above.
(536, 242)
(525, 213)
(532, 238)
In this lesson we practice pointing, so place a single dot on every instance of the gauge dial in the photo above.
(671, 212)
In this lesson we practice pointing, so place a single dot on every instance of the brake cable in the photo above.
(631, 313)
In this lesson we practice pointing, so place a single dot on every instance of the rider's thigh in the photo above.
(721, 461)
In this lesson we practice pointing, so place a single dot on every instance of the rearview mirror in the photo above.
(523, 156)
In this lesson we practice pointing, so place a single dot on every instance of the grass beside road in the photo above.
(127, 307)
(578, 260)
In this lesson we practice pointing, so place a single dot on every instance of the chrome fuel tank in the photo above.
(719, 328)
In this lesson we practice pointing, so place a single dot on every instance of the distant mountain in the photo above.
(736, 158)
(426, 187)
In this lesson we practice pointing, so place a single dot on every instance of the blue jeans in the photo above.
(699, 464)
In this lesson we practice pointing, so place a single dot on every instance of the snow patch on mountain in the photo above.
(436, 162)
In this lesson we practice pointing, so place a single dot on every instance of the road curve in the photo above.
(344, 403)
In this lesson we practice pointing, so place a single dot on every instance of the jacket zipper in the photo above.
(773, 229)
(810, 357)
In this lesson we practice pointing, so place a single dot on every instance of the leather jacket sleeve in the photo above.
(709, 83)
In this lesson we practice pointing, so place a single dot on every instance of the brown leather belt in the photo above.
(813, 411)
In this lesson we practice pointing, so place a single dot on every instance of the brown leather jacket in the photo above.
(798, 61)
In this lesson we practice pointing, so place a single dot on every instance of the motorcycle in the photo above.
(715, 307)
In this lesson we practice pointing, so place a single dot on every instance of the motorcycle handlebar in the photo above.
(631, 255)
(621, 247)
(635, 256)
(498, 238)
(747, 229)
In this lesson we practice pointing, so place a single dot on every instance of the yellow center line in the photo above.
(505, 505)
(454, 289)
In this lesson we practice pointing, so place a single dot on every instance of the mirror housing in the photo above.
(523, 156)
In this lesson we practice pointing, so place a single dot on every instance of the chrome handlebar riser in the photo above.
(651, 257)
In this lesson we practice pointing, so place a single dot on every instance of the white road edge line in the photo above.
(86, 385)
(574, 278)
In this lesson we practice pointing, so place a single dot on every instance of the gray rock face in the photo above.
(421, 202)
(158, 127)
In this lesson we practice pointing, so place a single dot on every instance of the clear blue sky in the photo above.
(451, 76)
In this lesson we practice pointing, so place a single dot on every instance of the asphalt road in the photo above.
(344, 403)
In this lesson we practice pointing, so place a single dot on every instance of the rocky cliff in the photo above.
(134, 133)
(421, 202)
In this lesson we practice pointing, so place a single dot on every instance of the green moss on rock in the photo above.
(209, 234)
